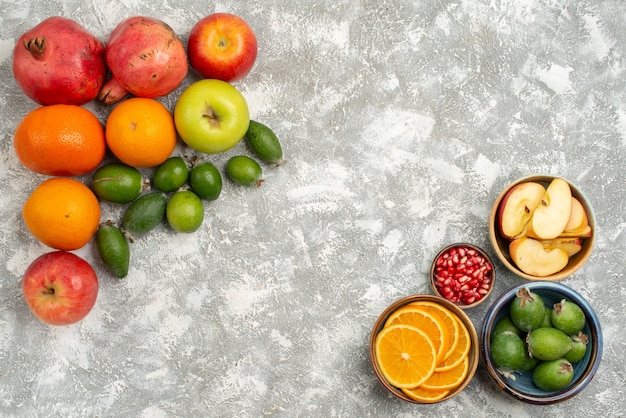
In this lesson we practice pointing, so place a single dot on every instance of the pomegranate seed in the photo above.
(463, 275)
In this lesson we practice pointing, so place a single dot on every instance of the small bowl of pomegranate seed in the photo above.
(463, 274)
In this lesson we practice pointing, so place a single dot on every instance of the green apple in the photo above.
(211, 116)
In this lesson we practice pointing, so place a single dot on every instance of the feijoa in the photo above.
(171, 175)
(184, 211)
(264, 143)
(579, 348)
(205, 180)
(553, 375)
(547, 323)
(113, 248)
(568, 317)
(508, 351)
(505, 324)
(145, 213)
(117, 183)
(244, 171)
(529, 363)
(527, 310)
(548, 343)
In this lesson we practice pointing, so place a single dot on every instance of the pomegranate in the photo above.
(146, 58)
(59, 62)
(462, 274)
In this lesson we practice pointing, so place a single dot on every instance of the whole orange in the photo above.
(60, 140)
(140, 132)
(62, 213)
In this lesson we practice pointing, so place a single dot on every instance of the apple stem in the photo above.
(48, 291)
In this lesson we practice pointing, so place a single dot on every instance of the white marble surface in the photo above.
(401, 122)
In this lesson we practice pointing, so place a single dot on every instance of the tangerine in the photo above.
(140, 132)
(60, 140)
(62, 213)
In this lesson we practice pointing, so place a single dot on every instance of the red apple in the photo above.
(551, 216)
(517, 208)
(222, 46)
(571, 246)
(533, 258)
(577, 218)
(60, 287)
(582, 232)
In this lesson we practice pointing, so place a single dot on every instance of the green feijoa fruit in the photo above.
(553, 375)
(171, 175)
(568, 317)
(529, 363)
(117, 183)
(113, 248)
(527, 310)
(578, 350)
(264, 143)
(505, 324)
(547, 323)
(184, 211)
(548, 344)
(508, 351)
(244, 170)
(206, 181)
(145, 213)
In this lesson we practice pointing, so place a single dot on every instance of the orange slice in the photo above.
(425, 396)
(405, 355)
(449, 319)
(449, 379)
(431, 324)
(460, 351)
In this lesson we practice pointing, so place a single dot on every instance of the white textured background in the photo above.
(401, 122)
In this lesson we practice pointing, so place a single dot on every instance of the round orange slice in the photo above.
(460, 351)
(430, 323)
(449, 379)
(405, 355)
(425, 396)
(449, 319)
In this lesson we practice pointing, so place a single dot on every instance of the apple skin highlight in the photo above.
(60, 288)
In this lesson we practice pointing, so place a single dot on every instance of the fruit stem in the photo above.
(36, 46)
(48, 291)
(214, 121)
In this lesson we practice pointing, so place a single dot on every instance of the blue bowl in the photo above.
(522, 387)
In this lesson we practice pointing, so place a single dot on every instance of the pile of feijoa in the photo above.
(543, 340)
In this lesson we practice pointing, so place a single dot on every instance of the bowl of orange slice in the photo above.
(424, 349)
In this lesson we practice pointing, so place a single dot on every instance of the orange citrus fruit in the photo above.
(60, 140)
(425, 396)
(431, 324)
(62, 213)
(449, 379)
(460, 351)
(448, 318)
(405, 355)
(140, 132)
